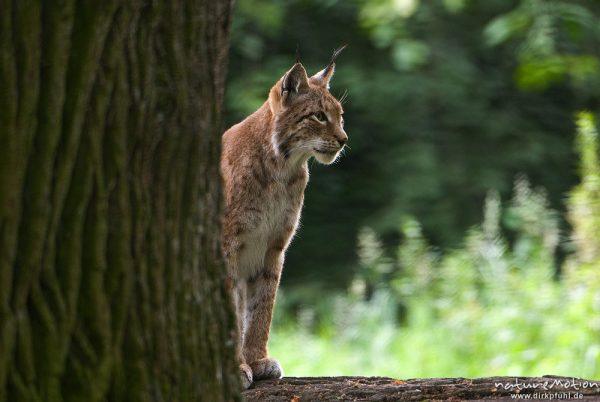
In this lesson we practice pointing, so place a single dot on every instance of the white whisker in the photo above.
(344, 97)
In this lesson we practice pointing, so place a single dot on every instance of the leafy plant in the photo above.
(493, 306)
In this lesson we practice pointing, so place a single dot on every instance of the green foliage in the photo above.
(496, 305)
(583, 267)
(447, 101)
(584, 206)
(553, 38)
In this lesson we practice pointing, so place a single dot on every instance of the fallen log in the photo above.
(300, 389)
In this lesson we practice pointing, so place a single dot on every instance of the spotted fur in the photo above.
(265, 171)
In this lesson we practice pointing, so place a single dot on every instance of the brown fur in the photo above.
(265, 171)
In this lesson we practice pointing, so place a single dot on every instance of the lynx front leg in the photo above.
(262, 290)
(239, 296)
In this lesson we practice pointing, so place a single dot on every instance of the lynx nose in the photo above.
(342, 141)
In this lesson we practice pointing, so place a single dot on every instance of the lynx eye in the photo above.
(320, 117)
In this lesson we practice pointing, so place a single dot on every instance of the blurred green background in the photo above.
(460, 233)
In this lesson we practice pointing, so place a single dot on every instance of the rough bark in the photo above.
(111, 279)
(431, 389)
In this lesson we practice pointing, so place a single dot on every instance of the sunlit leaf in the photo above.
(506, 26)
(409, 54)
(540, 74)
(455, 6)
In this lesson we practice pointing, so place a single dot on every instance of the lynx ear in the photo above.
(294, 82)
(323, 77)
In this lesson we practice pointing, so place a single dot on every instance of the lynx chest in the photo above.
(272, 219)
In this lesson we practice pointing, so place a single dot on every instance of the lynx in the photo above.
(265, 171)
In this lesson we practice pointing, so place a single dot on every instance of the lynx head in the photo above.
(308, 120)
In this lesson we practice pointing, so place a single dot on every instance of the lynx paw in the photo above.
(245, 375)
(264, 369)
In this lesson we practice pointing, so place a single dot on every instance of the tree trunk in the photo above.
(111, 278)
(435, 389)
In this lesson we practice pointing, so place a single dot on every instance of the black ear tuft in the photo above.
(336, 53)
(326, 73)
(324, 76)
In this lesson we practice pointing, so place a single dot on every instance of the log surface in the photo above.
(296, 389)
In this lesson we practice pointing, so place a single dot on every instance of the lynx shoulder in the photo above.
(265, 171)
